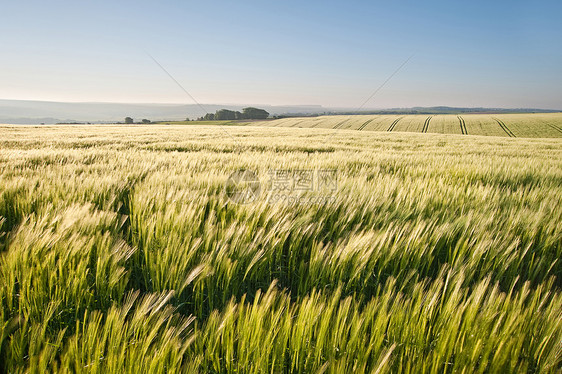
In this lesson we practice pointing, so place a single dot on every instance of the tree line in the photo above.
(129, 120)
(229, 115)
(221, 115)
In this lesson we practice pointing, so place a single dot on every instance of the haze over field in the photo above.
(35, 112)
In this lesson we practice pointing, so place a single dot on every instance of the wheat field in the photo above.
(527, 125)
(121, 251)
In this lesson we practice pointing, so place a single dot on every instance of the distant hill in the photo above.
(448, 110)
(49, 112)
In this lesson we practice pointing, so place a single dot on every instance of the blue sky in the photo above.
(330, 53)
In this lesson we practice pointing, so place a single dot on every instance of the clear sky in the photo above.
(330, 53)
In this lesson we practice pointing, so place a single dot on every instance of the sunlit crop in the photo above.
(120, 252)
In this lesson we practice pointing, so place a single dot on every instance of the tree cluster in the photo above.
(230, 115)
(129, 121)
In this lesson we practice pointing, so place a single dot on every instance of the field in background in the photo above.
(120, 252)
(544, 125)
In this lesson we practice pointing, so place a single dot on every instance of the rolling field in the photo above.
(547, 125)
(120, 250)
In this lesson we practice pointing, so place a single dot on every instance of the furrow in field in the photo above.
(281, 122)
(393, 125)
(340, 124)
(426, 124)
(504, 127)
(463, 125)
(316, 123)
(365, 124)
(554, 127)
(460, 122)
(319, 121)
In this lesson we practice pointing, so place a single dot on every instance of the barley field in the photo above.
(532, 125)
(121, 250)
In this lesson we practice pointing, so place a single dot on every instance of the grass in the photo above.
(120, 252)
(527, 125)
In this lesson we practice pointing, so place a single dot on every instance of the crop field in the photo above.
(121, 249)
(548, 125)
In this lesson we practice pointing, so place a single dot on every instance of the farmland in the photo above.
(120, 250)
(543, 125)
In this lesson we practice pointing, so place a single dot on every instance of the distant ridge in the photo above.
(449, 110)
(49, 112)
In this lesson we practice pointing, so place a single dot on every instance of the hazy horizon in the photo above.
(504, 54)
(350, 108)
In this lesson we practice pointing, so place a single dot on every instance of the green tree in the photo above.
(145, 121)
(225, 115)
(128, 120)
(254, 113)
